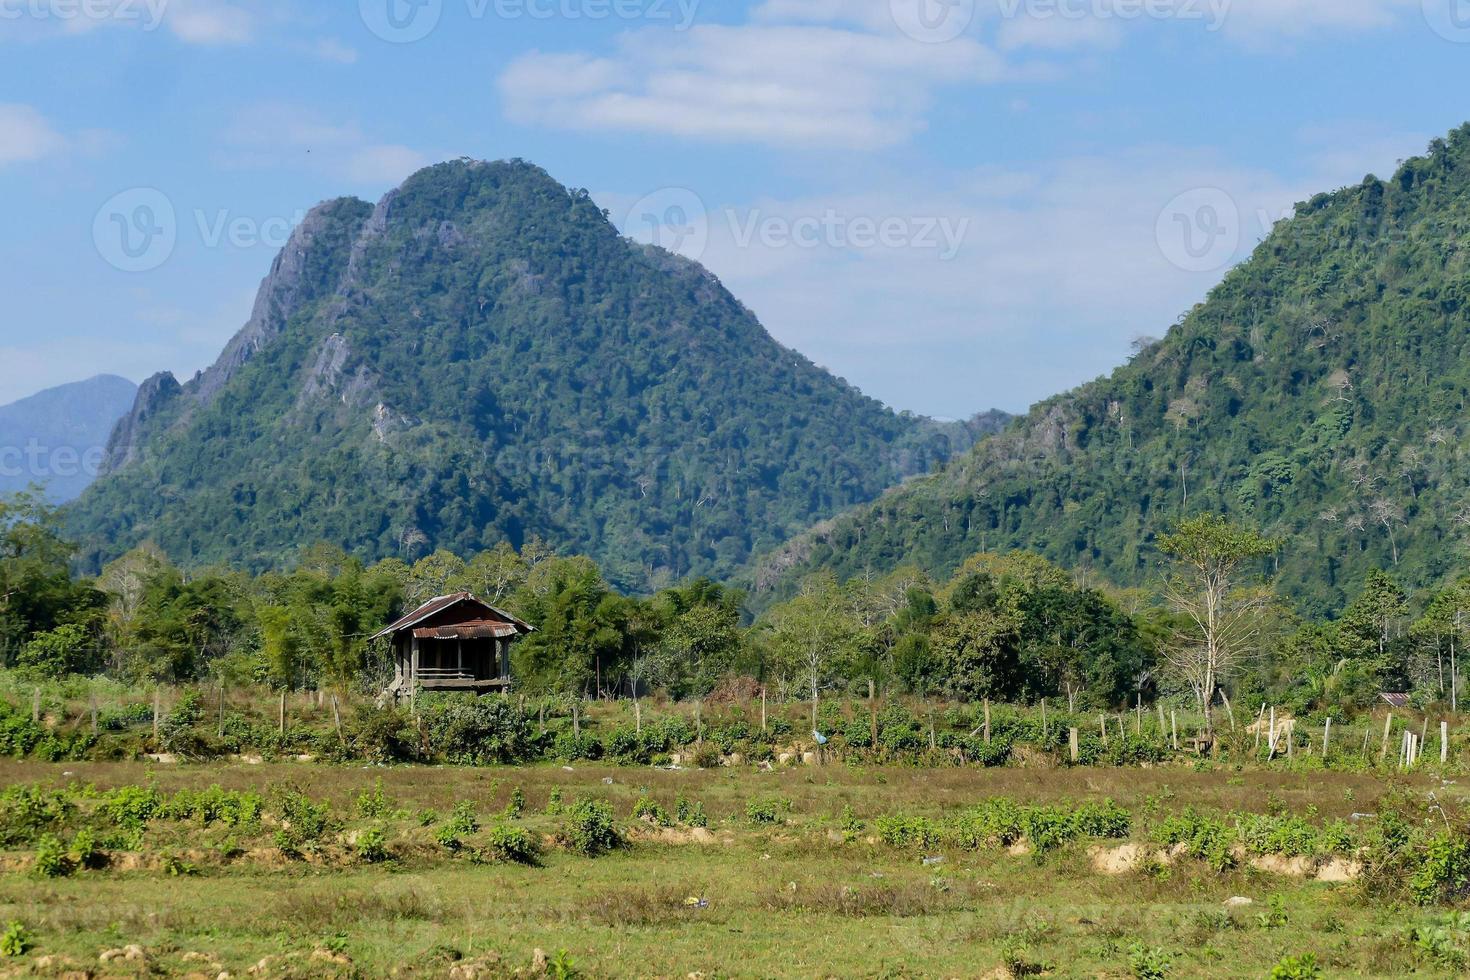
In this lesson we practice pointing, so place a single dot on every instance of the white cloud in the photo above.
(272, 135)
(331, 49)
(209, 22)
(25, 135)
(783, 85)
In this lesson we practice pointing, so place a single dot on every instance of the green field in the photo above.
(801, 872)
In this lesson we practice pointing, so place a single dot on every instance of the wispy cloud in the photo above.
(26, 135)
(776, 84)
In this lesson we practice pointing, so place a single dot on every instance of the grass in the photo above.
(796, 898)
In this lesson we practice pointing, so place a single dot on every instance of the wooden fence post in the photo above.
(763, 707)
(36, 707)
(1326, 737)
(157, 709)
(1174, 727)
(337, 720)
(1102, 725)
(1072, 742)
(283, 711)
(1259, 718)
(577, 717)
(1387, 724)
(933, 744)
(987, 721)
(1044, 729)
(1160, 706)
(1138, 716)
(1271, 748)
(221, 725)
(93, 706)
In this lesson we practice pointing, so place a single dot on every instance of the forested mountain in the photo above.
(482, 358)
(1319, 393)
(55, 437)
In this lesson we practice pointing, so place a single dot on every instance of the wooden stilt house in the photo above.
(453, 643)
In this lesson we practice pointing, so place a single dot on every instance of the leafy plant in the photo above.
(590, 828)
(15, 941)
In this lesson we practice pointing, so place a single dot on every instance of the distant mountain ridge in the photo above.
(56, 438)
(482, 357)
(1320, 393)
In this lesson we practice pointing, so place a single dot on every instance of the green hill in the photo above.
(1319, 393)
(481, 357)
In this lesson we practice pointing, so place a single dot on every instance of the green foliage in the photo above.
(475, 731)
(1303, 967)
(590, 828)
(649, 810)
(15, 940)
(372, 845)
(1149, 963)
(657, 395)
(374, 804)
(1279, 401)
(766, 811)
(1443, 874)
(51, 860)
(508, 843)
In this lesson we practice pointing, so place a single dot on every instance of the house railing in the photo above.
(444, 674)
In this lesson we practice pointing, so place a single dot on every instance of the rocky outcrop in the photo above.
(308, 268)
(129, 436)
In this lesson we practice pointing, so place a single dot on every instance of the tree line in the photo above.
(1011, 627)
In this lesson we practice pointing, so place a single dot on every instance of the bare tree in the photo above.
(1224, 619)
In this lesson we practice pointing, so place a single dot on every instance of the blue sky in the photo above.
(954, 204)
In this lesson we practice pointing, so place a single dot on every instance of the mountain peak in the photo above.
(479, 357)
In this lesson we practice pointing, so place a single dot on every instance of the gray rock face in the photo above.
(288, 287)
(125, 445)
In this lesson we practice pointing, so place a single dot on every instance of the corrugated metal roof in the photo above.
(438, 604)
(481, 630)
(1396, 700)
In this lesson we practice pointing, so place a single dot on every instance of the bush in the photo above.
(590, 829)
(513, 844)
(648, 809)
(15, 941)
(1302, 967)
(906, 832)
(374, 805)
(461, 823)
(372, 845)
(377, 735)
(767, 811)
(1443, 872)
(51, 858)
(1149, 963)
(475, 731)
(570, 747)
